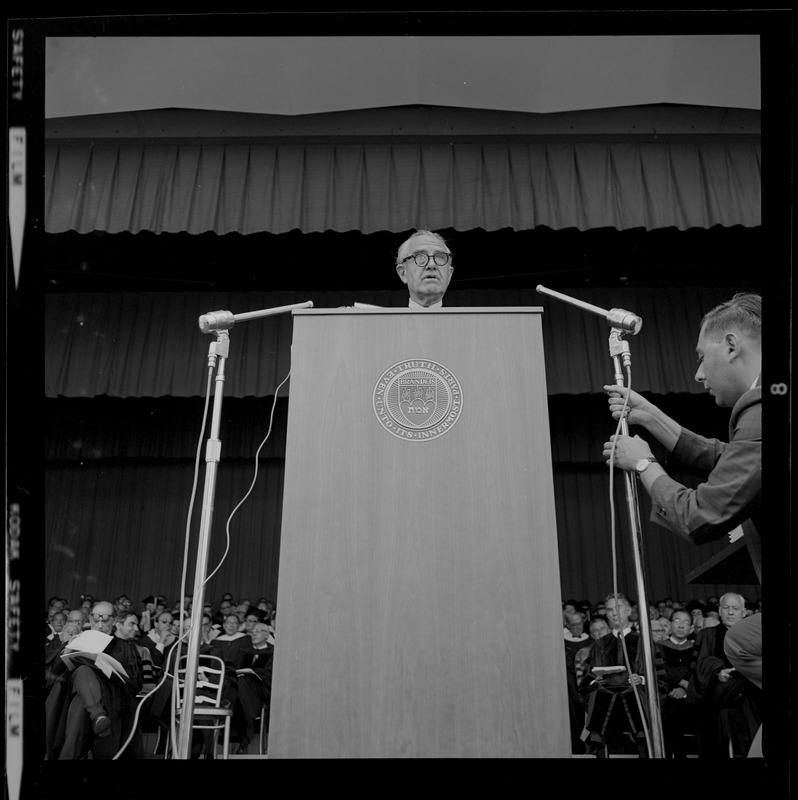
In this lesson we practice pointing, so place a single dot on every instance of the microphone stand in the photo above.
(622, 322)
(218, 323)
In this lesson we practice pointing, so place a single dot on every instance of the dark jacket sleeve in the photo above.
(732, 490)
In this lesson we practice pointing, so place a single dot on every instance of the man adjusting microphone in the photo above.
(729, 353)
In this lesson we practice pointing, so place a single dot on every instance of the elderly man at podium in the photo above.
(424, 263)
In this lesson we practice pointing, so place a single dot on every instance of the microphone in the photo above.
(615, 317)
(224, 320)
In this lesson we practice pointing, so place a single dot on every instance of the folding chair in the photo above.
(209, 715)
(263, 733)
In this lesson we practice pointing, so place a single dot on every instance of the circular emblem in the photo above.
(417, 400)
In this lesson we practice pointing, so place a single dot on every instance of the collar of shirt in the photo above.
(756, 382)
(626, 631)
(678, 643)
(571, 638)
(414, 304)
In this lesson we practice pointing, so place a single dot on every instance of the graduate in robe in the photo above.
(89, 710)
(727, 705)
(255, 688)
(613, 709)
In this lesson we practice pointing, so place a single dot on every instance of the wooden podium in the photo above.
(419, 597)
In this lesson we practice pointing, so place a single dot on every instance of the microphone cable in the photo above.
(187, 539)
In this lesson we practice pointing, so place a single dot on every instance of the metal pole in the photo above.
(622, 322)
(620, 349)
(219, 348)
(217, 323)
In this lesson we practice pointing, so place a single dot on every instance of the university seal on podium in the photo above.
(417, 400)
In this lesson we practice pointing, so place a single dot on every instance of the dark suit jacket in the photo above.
(731, 495)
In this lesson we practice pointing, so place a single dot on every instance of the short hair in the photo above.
(622, 598)
(732, 594)
(404, 248)
(743, 311)
(686, 614)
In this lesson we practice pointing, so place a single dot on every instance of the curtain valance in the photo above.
(251, 188)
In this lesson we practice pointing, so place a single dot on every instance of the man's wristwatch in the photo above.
(643, 464)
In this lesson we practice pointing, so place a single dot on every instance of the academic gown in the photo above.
(256, 690)
(118, 698)
(726, 711)
(612, 707)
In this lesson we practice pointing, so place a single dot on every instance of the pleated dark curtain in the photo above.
(126, 376)
(119, 526)
(150, 345)
(119, 479)
(248, 188)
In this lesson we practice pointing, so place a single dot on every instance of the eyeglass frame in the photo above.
(100, 617)
(433, 257)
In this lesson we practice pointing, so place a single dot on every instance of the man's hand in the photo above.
(638, 409)
(628, 451)
(678, 693)
(725, 674)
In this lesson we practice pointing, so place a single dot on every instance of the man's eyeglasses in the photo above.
(422, 259)
(101, 617)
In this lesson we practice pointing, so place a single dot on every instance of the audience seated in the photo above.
(727, 705)
(90, 711)
(613, 712)
(678, 716)
(231, 645)
(89, 715)
(254, 685)
(159, 640)
(575, 640)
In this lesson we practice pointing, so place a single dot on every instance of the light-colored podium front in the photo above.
(419, 596)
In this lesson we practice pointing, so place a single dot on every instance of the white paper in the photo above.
(108, 665)
(89, 642)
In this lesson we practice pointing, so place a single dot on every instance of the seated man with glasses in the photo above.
(424, 263)
(89, 701)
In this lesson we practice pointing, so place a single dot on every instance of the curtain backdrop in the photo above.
(110, 428)
(126, 377)
(150, 345)
(248, 188)
(116, 528)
